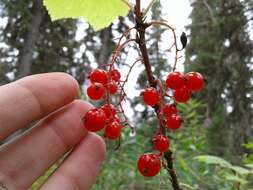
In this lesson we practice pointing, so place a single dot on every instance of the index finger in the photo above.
(32, 98)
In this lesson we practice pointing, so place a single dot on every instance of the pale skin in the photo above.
(48, 102)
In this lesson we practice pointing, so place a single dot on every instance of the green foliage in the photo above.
(213, 160)
(226, 172)
(248, 157)
(220, 48)
(99, 13)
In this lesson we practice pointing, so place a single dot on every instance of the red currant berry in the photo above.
(174, 122)
(112, 87)
(150, 96)
(95, 120)
(194, 81)
(112, 131)
(169, 109)
(115, 75)
(96, 91)
(109, 110)
(182, 95)
(175, 80)
(149, 164)
(161, 143)
(99, 75)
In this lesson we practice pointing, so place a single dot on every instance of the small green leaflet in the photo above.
(208, 159)
(240, 170)
(235, 178)
(98, 13)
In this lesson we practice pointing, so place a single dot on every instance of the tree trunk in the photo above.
(105, 53)
(26, 53)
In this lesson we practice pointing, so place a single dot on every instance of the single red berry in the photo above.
(149, 164)
(96, 91)
(169, 109)
(99, 76)
(150, 96)
(112, 87)
(194, 81)
(109, 110)
(161, 143)
(115, 75)
(182, 95)
(112, 131)
(174, 122)
(95, 120)
(175, 80)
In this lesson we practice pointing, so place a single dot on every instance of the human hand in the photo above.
(50, 99)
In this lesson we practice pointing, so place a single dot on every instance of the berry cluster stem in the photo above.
(169, 159)
(141, 41)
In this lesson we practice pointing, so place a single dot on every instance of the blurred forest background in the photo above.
(214, 149)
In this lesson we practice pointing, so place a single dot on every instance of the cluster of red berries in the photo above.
(103, 84)
(184, 85)
(149, 164)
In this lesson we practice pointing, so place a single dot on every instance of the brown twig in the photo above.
(161, 23)
(120, 45)
(122, 94)
(141, 27)
(118, 50)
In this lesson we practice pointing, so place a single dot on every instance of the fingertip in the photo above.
(94, 147)
(66, 82)
(98, 143)
(70, 82)
(83, 105)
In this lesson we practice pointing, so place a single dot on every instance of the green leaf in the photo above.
(249, 165)
(98, 13)
(240, 170)
(248, 145)
(186, 186)
(235, 178)
(183, 163)
(213, 160)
